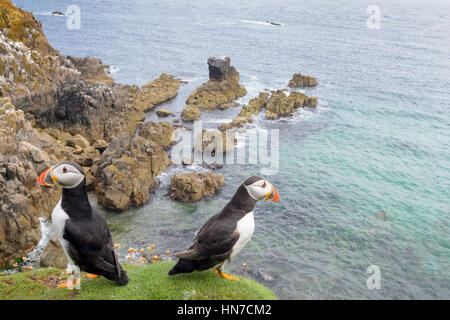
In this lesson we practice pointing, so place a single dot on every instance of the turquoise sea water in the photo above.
(378, 141)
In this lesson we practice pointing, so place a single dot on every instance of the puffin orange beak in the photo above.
(46, 178)
(273, 196)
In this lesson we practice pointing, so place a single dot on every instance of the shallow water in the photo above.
(379, 140)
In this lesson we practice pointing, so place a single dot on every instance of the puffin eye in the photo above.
(64, 170)
(264, 185)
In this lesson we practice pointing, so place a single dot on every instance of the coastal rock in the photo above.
(92, 70)
(163, 113)
(161, 133)
(66, 93)
(127, 170)
(78, 141)
(220, 68)
(100, 145)
(301, 81)
(53, 255)
(190, 113)
(280, 105)
(214, 141)
(193, 186)
(95, 111)
(247, 112)
(156, 92)
(222, 88)
(22, 158)
(31, 71)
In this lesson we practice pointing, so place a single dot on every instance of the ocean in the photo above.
(379, 140)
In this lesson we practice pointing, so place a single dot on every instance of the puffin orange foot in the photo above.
(92, 276)
(68, 284)
(226, 275)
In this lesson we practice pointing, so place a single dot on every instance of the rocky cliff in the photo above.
(221, 90)
(55, 108)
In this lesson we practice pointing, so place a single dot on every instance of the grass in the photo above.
(148, 282)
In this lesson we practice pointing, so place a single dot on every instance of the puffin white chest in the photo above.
(245, 227)
(59, 217)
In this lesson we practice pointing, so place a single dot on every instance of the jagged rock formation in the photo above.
(222, 88)
(96, 111)
(24, 154)
(71, 94)
(162, 113)
(157, 91)
(277, 104)
(161, 133)
(190, 113)
(193, 186)
(127, 170)
(247, 112)
(301, 81)
(280, 105)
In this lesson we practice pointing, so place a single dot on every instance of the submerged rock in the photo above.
(127, 170)
(222, 88)
(382, 215)
(301, 81)
(163, 113)
(266, 276)
(53, 255)
(193, 186)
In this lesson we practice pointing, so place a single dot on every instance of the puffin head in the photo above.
(260, 189)
(66, 174)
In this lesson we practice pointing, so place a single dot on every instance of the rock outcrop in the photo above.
(96, 111)
(31, 71)
(191, 187)
(24, 154)
(222, 88)
(161, 133)
(301, 81)
(127, 170)
(247, 112)
(157, 91)
(162, 113)
(280, 105)
(53, 255)
(190, 113)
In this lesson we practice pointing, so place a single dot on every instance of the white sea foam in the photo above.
(266, 23)
(34, 256)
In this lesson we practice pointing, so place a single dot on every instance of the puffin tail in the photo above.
(123, 279)
(182, 266)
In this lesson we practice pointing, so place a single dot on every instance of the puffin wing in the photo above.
(216, 238)
(91, 243)
(210, 249)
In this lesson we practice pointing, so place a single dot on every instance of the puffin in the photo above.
(82, 230)
(225, 234)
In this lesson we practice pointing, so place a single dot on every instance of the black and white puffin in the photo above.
(224, 235)
(81, 229)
